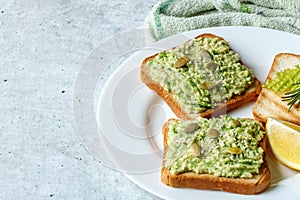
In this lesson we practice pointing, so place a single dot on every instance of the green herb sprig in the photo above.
(293, 97)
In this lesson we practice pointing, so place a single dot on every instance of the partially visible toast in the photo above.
(270, 103)
(255, 185)
(236, 101)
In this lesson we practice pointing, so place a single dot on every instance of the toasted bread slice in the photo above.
(269, 103)
(255, 185)
(249, 95)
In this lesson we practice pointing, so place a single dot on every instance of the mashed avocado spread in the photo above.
(219, 146)
(284, 81)
(201, 73)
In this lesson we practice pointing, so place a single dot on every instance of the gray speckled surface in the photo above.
(43, 44)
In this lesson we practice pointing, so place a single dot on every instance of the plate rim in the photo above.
(131, 176)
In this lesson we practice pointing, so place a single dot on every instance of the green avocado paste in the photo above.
(285, 80)
(201, 73)
(221, 146)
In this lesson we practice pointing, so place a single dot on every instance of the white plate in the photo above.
(130, 115)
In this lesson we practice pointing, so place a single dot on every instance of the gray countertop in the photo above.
(43, 46)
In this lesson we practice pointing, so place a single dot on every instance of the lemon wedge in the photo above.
(284, 139)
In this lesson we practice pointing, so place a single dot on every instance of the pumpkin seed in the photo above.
(211, 66)
(210, 84)
(195, 149)
(236, 122)
(213, 133)
(180, 62)
(205, 55)
(207, 85)
(203, 86)
(234, 150)
(191, 128)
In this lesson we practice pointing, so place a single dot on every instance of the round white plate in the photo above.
(130, 115)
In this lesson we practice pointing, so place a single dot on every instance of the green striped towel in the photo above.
(169, 17)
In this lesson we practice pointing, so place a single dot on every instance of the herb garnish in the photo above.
(293, 97)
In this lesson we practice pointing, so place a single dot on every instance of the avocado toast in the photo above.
(201, 77)
(217, 154)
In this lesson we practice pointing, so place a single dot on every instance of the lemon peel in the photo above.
(284, 139)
